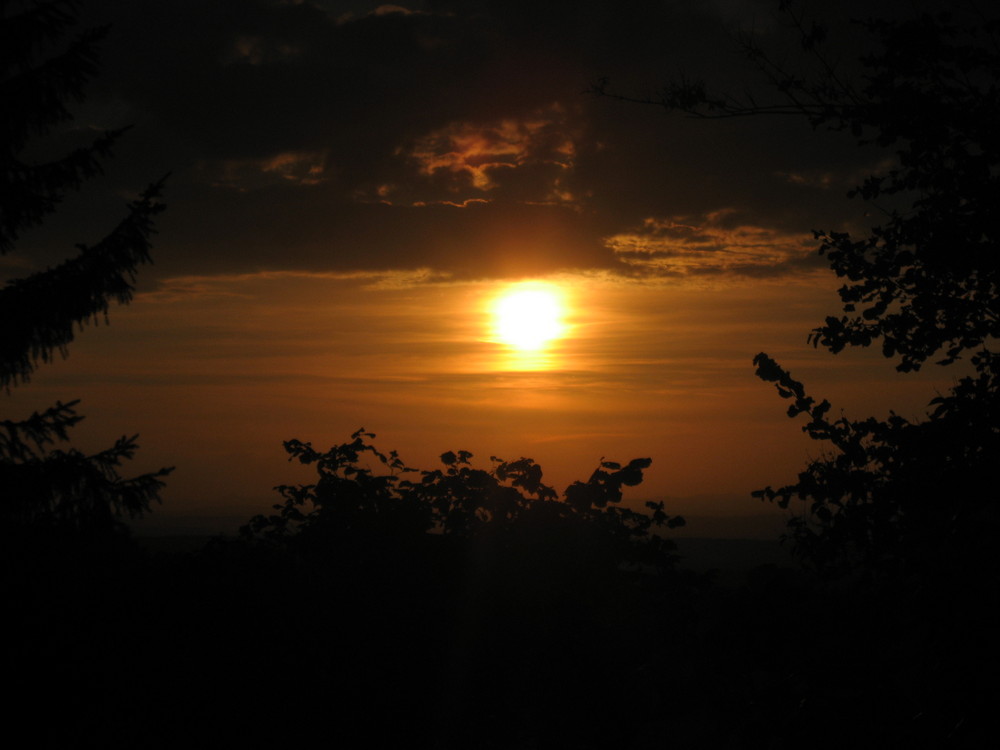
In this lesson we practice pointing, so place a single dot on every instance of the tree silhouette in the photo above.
(899, 495)
(44, 66)
(896, 516)
(925, 283)
(352, 507)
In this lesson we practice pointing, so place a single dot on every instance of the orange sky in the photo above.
(351, 185)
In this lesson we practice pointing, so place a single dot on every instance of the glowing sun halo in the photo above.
(527, 318)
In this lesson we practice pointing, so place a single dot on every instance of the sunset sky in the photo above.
(352, 187)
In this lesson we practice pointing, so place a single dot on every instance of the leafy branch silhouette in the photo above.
(352, 501)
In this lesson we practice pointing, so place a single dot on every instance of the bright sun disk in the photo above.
(527, 319)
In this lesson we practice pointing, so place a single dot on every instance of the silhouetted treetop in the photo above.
(39, 76)
(44, 65)
(352, 503)
(42, 310)
(45, 485)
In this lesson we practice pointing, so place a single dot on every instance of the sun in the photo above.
(528, 316)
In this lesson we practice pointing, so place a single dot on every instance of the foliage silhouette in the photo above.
(896, 496)
(44, 66)
(351, 504)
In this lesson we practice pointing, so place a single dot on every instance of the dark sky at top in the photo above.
(458, 137)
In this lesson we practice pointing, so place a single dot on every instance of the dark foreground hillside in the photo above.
(461, 645)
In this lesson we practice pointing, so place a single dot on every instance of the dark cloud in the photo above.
(448, 135)
(260, 230)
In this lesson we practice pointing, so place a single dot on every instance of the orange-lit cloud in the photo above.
(291, 167)
(477, 155)
(719, 242)
(258, 50)
(383, 10)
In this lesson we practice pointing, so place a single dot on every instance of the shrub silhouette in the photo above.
(352, 505)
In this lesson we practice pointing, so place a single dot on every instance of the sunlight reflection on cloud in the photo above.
(719, 242)
(476, 153)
